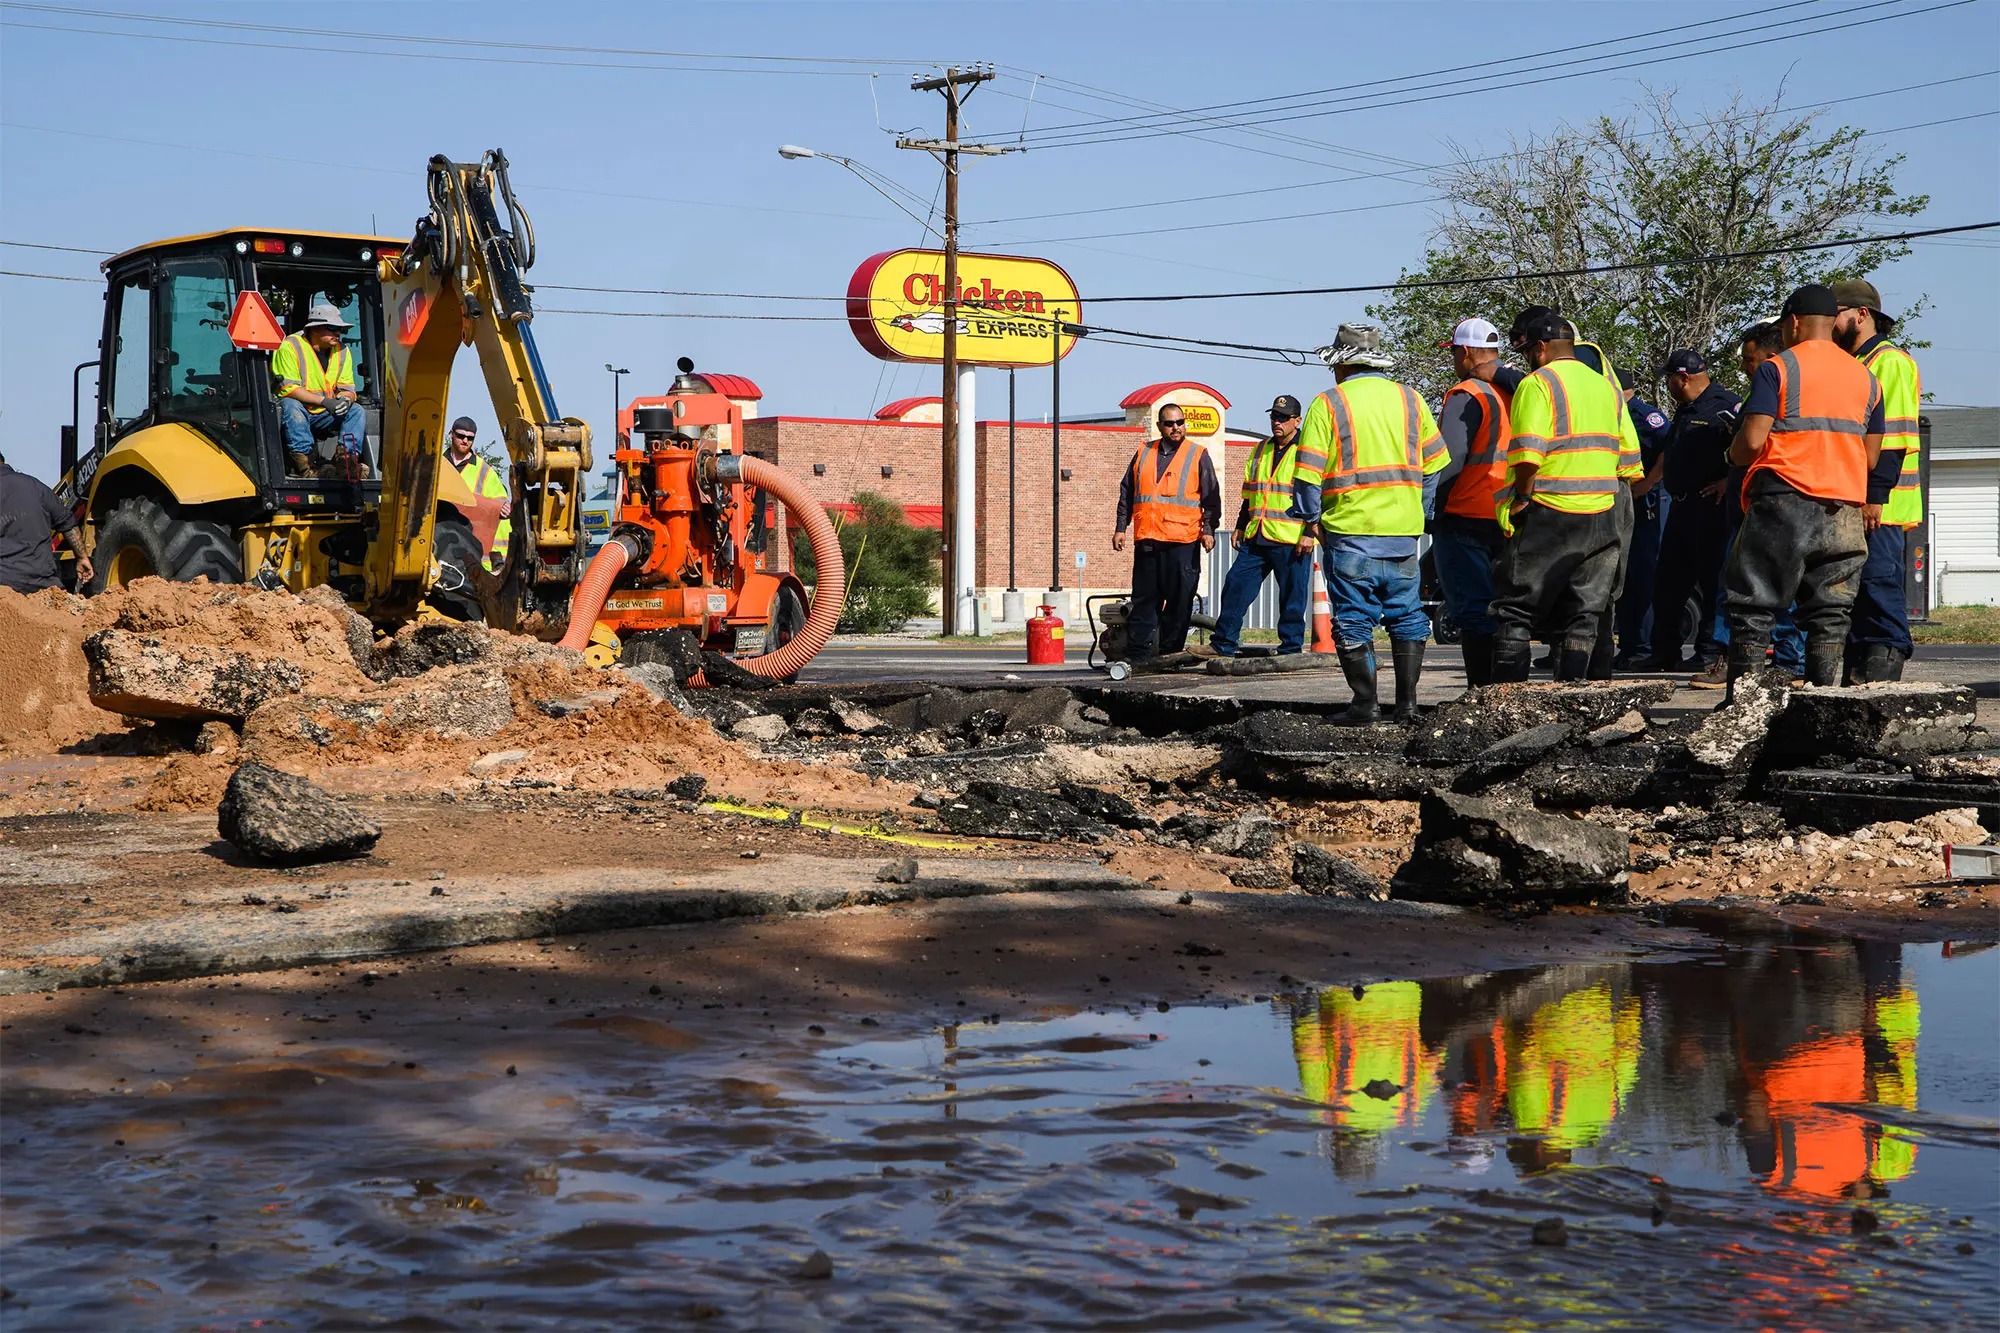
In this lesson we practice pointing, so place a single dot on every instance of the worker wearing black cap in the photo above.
(1573, 453)
(1696, 540)
(1649, 520)
(1811, 431)
(1271, 536)
(487, 483)
(1878, 638)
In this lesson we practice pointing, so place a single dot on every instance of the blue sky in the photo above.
(666, 177)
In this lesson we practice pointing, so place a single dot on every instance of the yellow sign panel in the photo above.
(1202, 420)
(1007, 308)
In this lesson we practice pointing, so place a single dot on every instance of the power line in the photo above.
(1514, 83)
(1484, 280)
(48, 277)
(1495, 157)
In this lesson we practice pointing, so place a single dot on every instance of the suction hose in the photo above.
(829, 586)
(829, 595)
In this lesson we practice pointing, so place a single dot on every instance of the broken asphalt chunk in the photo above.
(1885, 720)
(1457, 732)
(1475, 852)
(1319, 872)
(281, 819)
(140, 676)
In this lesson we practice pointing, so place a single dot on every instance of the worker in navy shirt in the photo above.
(1649, 514)
(1692, 472)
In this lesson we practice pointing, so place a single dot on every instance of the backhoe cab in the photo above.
(185, 471)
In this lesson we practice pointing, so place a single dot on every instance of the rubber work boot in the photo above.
(1823, 661)
(1746, 655)
(1477, 650)
(1601, 651)
(1573, 660)
(1877, 661)
(1408, 655)
(1511, 649)
(1359, 665)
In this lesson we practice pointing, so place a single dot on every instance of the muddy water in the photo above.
(1376, 1156)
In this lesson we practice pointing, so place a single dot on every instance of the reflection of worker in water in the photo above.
(486, 483)
(1798, 1143)
(1569, 1069)
(1353, 1039)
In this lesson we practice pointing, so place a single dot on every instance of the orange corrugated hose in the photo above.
(830, 585)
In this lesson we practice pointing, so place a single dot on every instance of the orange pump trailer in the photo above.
(679, 553)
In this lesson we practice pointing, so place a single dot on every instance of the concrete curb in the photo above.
(381, 919)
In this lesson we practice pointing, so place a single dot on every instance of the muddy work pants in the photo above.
(1793, 547)
(1554, 579)
(1164, 575)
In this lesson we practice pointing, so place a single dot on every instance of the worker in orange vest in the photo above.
(1811, 431)
(1170, 499)
(1465, 535)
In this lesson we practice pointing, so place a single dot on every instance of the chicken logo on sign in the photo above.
(1007, 308)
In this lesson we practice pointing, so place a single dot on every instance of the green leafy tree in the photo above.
(893, 568)
(1653, 186)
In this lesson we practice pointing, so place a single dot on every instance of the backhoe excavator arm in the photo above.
(459, 283)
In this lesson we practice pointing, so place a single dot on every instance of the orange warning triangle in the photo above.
(252, 326)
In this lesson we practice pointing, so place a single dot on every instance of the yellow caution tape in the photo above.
(778, 814)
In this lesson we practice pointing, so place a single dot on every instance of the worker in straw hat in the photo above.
(316, 396)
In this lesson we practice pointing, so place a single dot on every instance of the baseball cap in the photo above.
(1284, 407)
(1473, 332)
(1812, 299)
(466, 424)
(1627, 380)
(1548, 327)
(1685, 361)
(1527, 316)
(1860, 294)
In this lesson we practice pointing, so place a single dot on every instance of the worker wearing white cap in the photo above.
(316, 396)
(1465, 534)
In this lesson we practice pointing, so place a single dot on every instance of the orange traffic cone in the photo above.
(1322, 614)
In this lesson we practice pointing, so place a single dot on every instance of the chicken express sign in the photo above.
(895, 305)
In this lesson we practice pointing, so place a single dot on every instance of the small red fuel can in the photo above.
(1045, 638)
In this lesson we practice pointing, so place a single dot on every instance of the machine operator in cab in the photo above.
(316, 396)
(1812, 430)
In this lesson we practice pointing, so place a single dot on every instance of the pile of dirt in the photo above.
(309, 632)
(45, 688)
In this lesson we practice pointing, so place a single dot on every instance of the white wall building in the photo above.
(1964, 505)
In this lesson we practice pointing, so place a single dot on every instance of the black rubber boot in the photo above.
(1895, 666)
(1823, 661)
(1603, 650)
(1408, 655)
(1573, 660)
(1511, 650)
(1477, 650)
(1746, 656)
(1876, 661)
(1359, 664)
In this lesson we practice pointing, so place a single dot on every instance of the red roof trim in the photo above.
(918, 516)
(1069, 427)
(1153, 393)
(731, 386)
(903, 407)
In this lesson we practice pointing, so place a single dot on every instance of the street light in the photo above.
(617, 402)
(792, 152)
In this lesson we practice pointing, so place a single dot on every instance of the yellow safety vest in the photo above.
(1571, 422)
(1267, 488)
(1902, 398)
(486, 482)
(295, 363)
(1374, 442)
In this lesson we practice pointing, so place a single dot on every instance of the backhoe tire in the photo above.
(457, 552)
(143, 535)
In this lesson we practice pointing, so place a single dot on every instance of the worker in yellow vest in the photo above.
(486, 482)
(316, 395)
(1573, 451)
(1269, 537)
(1172, 502)
(1374, 448)
(1878, 637)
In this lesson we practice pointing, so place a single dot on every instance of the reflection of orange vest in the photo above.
(1167, 509)
(1820, 1152)
(1485, 469)
(1818, 442)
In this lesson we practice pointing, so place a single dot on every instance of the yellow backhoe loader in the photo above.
(186, 473)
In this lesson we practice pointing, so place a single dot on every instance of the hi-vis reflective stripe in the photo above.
(1351, 478)
(1792, 421)
(1178, 496)
(1565, 442)
(1490, 405)
(1343, 428)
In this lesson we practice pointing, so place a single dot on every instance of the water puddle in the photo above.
(1780, 1136)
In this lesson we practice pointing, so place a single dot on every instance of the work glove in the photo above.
(338, 405)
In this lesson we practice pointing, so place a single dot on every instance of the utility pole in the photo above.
(956, 85)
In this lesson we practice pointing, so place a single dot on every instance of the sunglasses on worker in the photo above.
(1170, 422)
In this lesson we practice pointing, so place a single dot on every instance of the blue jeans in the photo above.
(1465, 549)
(1881, 611)
(1254, 559)
(303, 429)
(1367, 592)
